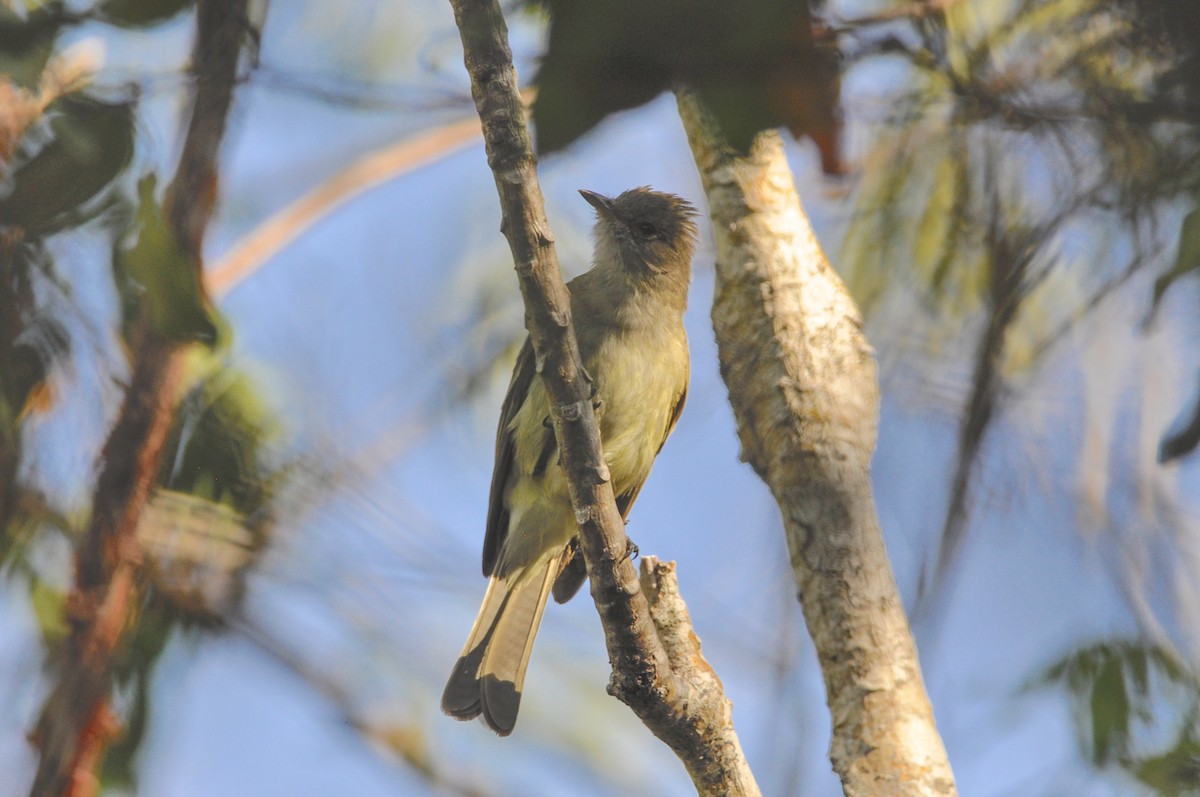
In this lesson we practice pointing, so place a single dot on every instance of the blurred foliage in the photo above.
(1031, 159)
(1098, 98)
(25, 358)
(158, 280)
(51, 180)
(140, 13)
(26, 43)
(1072, 85)
(202, 531)
(756, 65)
(66, 158)
(1121, 692)
(1184, 440)
(211, 516)
(1187, 260)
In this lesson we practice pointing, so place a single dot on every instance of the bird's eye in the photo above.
(647, 230)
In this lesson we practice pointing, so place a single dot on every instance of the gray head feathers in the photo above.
(651, 230)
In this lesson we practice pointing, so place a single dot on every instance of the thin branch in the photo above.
(395, 160)
(1012, 251)
(916, 11)
(75, 728)
(690, 717)
(407, 746)
(373, 169)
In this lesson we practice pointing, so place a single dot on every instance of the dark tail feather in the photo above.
(488, 676)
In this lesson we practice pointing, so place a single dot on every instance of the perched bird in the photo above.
(628, 316)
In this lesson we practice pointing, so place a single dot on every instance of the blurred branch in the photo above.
(802, 382)
(1011, 247)
(373, 169)
(222, 28)
(919, 10)
(74, 730)
(1010, 255)
(266, 240)
(405, 743)
(685, 708)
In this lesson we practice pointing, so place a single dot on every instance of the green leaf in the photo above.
(1116, 688)
(756, 65)
(1184, 441)
(91, 143)
(27, 44)
(159, 282)
(1110, 712)
(133, 665)
(49, 607)
(140, 13)
(1187, 260)
(216, 447)
(1175, 773)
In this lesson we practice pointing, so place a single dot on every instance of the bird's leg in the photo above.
(596, 403)
(631, 549)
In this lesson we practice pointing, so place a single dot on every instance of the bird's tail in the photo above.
(488, 676)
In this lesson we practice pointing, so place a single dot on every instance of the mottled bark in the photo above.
(77, 722)
(802, 382)
(689, 713)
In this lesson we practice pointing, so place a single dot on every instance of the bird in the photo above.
(628, 317)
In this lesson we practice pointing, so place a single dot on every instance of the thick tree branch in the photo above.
(693, 721)
(77, 723)
(803, 387)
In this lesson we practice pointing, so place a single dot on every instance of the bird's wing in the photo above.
(573, 573)
(625, 500)
(524, 372)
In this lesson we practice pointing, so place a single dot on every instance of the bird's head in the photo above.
(650, 232)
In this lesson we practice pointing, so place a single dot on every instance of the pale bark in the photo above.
(802, 382)
(655, 673)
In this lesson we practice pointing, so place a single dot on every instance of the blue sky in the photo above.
(357, 330)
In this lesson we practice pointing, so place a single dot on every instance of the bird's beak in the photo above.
(600, 202)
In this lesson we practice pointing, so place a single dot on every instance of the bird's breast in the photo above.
(639, 378)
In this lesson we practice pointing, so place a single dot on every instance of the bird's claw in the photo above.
(631, 549)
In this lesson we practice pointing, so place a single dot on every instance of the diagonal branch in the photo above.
(373, 169)
(407, 746)
(692, 719)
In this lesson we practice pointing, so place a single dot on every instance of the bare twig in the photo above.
(692, 720)
(77, 724)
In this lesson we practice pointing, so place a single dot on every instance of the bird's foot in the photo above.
(631, 549)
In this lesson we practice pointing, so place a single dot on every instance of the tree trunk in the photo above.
(802, 382)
